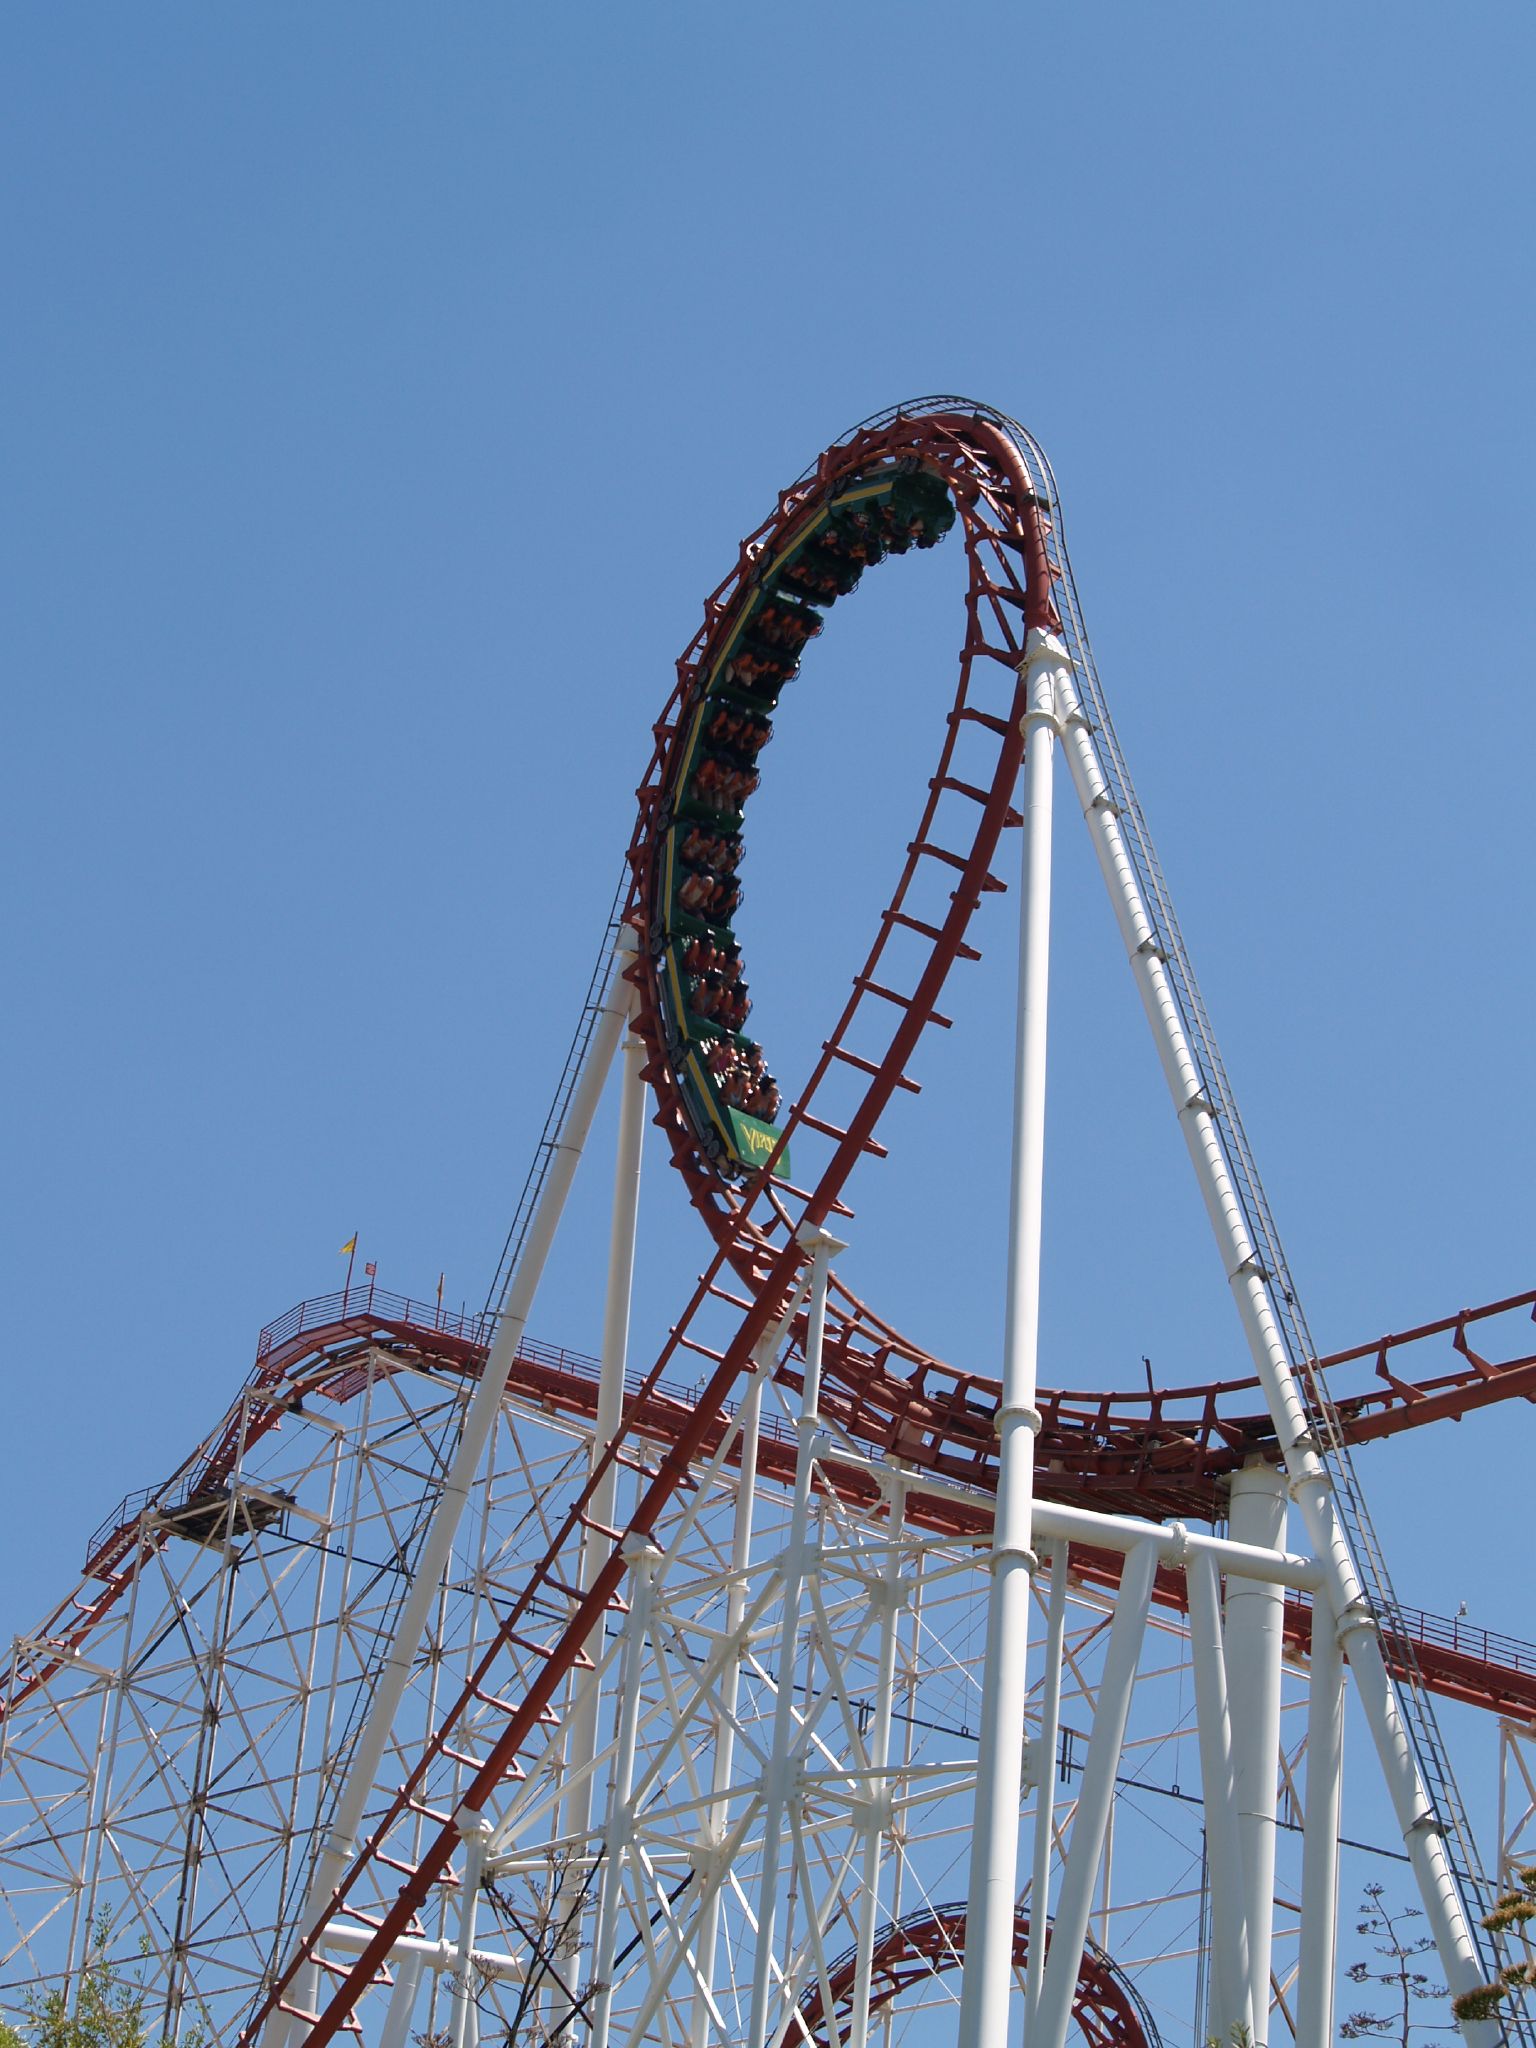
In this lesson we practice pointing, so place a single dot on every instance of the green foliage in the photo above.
(107, 2010)
(1512, 1915)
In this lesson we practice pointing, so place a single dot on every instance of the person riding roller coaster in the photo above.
(715, 898)
(702, 848)
(822, 571)
(885, 514)
(720, 785)
(719, 1001)
(787, 626)
(739, 731)
(758, 670)
(742, 1079)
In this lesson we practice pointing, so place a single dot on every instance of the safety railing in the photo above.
(369, 1302)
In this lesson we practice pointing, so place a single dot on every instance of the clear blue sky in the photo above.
(386, 386)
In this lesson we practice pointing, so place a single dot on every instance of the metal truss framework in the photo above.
(458, 1690)
(170, 1775)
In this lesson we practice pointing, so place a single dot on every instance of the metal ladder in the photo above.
(575, 1060)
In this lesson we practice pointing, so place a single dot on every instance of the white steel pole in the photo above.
(822, 1247)
(1320, 1840)
(1255, 1643)
(878, 1809)
(1045, 1783)
(987, 1983)
(730, 1691)
(1310, 1485)
(586, 1700)
(479, 1420)
(402, 2001)
(1231, 2002)
(643, 1557)
(1096, 1795)
(475, 1831)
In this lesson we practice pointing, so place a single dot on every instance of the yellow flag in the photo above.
(351, 1243)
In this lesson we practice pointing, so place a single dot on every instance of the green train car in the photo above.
(731, 1098)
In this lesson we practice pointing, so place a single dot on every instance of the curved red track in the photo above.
(926, 1944)
(887, 1390)
(1166, 1453)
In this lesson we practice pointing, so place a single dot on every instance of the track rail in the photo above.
(1107, 2007)
(1017, 578)
(865, 1060)
(1097, 1450)
(1160, 1452)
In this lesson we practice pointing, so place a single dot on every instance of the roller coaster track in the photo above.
(1098, 1450)
(1017, 581)
(1108, 2009)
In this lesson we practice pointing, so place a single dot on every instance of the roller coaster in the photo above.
(804, 1685)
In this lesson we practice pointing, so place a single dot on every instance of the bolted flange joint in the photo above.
(1031, 1418)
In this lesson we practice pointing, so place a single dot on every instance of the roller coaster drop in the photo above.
(461, 1689)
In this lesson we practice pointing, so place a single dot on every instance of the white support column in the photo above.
(730, 1691)
(1310, 1485)
(475, 1830)
(402, 2001)
(987, 1985)
(586, 1688)
(1095, 1797)
(643, 1557)
(1044, 1773)
(1255, 1642)
(878, 1815)
(479, 1420)
(1231, 2000)
(822, 1247)
(1318, 1962)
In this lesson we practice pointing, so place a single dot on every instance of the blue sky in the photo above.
(387, 386)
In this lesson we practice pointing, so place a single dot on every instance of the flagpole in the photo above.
(351, 1262)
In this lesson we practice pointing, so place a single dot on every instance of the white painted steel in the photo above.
(1310, 1485)
(822, 1246)
(1074, 1905)
(642, 1557)
(395, 1672)
(718, 1824)
(1174, 1542)
(1318, 1963)
(475, 1831)
(422, 1954)
(987, 1985)
(878, 1816)
(1255, 1644)
(586, 1689)
(1045, 1781)
(1231, 1998)
(402, 2000)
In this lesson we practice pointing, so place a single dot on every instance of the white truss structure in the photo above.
(172, 1780)
(850, 1726)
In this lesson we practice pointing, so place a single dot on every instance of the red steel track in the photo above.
(926, 1944)
(999, 484)
(1159, 1453)
(324, 1349)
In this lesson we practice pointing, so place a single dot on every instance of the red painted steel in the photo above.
(754, 1227)
(325, 1347)
(931, 1942)
(1157, 1452)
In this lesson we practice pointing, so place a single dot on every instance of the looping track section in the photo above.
(903, 479)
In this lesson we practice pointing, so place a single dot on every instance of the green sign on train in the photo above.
(755, 1140)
